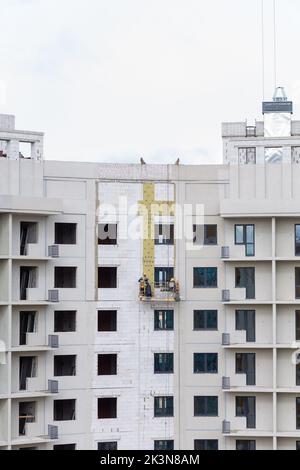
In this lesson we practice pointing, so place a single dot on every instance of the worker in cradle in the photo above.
(148, 290)
(142, 282)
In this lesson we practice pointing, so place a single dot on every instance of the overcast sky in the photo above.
(114, 80)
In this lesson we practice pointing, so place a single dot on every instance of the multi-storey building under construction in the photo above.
(118, 330)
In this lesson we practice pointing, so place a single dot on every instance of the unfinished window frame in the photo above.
(114, 321)
(112, 234)
(59, 237)
(115, 280)
(113, 401)
(72, 321)
(58, 278)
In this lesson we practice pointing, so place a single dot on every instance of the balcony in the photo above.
(31, 346)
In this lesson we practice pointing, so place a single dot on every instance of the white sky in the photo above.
(114, 80)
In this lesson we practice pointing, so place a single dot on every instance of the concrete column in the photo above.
(13, 149)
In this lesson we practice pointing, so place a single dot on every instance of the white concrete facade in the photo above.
(258, 193)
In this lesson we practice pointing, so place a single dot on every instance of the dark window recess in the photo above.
(246, 408)
(64, 366)
(245, 364)
(107, 320)
(64, 410)
(206, 406)
(297, 283)
(163, 320)
(27, 370)
(107, 277)
(64, 447)
(206, 320)
(26, 415)
(107, 234)
(163, 407)
(297, 326)
(205, 363)
(298, 373)
(298, 413)
(64, 321)
(65, 234)
(245, 278)
(245, 235)
(298, 445)
(205, 234)
(163, 363)
(107, 364)
(163, 275)
(206, 277)
(107, 408)
(163, 445)
(245, 321)
(206, 444)
(245, 445)
(164, 234)
(27, 325)
(297, 240)
(65, 277)
(28, 235)
(106, 446)
(29, 449)
(28, 280)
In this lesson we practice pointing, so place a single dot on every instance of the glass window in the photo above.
(298, 445)
(206, 444)
(105, 446)
(297, 282)
(297, 240)
(205, 234)
(245, 235)
(245, 278)
(273, 155)
(245, 364)
(206, 406)
(247, 156)
(205, 363)
(245, 445)
(205, 277)
(298, 413)
(206, 320)
(163, 363)
(246, 408)
(297, 325)
(163, 407)
(164, 234)
(245, 321)
(163, 445)
(163, 320)
(163, 275)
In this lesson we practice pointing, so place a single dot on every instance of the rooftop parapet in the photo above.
(16, 144)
